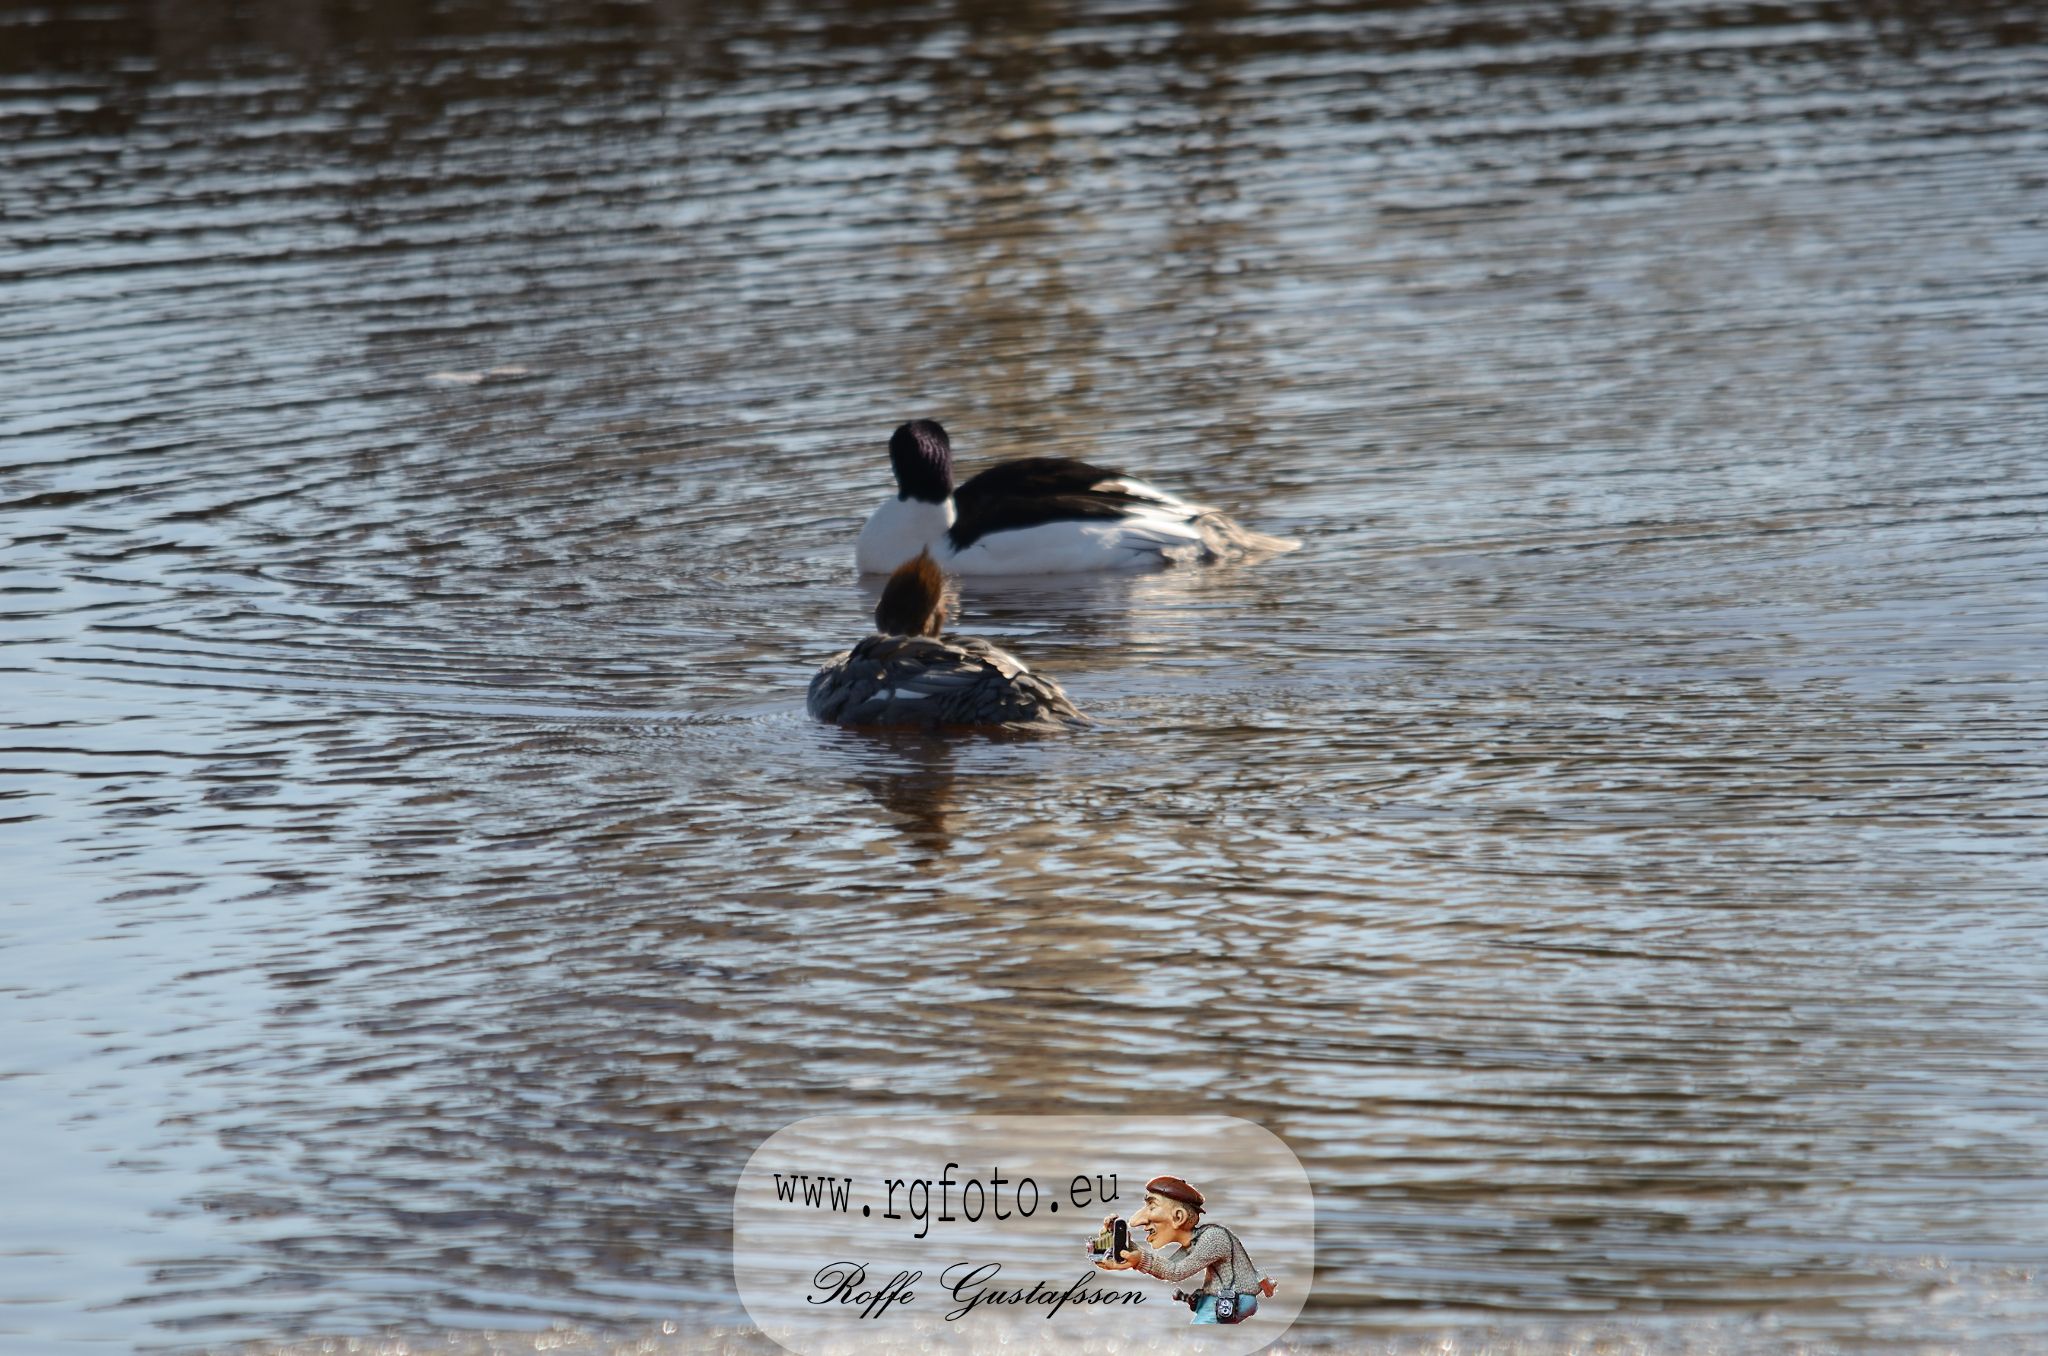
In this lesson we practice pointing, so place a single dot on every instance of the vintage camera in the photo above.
(1112, 1243)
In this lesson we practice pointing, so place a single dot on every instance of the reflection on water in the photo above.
(1609, 851)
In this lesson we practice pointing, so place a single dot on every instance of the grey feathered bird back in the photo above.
(929, 681)
(909, 674)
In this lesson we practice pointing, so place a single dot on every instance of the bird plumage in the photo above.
(933, 681)
(1038, 515)
(910, 674)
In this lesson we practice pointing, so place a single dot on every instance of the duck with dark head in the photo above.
(1039, 515)
(910, 674)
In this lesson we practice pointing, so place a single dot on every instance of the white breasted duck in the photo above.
(1038, 515)
(909, 674)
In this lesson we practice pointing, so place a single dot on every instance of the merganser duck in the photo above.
(1038, 515)
(908, 674)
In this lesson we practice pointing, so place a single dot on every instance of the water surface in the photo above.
(1610, 851)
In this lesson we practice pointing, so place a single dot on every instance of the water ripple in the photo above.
(1608, 852)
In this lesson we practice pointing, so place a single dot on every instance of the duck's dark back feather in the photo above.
(931, 682)
(1034, 490)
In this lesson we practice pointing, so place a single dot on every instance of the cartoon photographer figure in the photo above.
(1230, 1285)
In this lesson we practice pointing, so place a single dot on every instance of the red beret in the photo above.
(1174, 1190)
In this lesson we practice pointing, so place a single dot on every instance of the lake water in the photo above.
(1610, 852)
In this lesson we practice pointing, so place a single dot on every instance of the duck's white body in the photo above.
(1037, 515)
(1155, 528)
(897, 530)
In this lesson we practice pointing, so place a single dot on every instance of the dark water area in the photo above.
(1610, 852)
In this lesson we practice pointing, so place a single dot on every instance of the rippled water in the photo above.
(1610, 852)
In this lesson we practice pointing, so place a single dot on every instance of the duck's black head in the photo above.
(922, 457)
(914, 600)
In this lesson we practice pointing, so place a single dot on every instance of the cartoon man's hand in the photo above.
(1269, 1285)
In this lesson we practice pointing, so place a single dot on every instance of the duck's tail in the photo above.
(914, 600)
(1227, 539)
